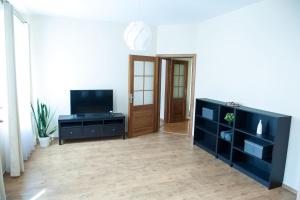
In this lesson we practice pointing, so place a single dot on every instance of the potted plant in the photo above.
(43, 117)
(229, 117)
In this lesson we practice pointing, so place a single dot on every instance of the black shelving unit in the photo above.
(269, 170)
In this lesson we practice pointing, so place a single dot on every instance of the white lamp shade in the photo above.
(138, 36)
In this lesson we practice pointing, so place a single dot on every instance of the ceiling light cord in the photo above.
(140, 13)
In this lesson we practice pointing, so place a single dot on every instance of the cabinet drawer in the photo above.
(91, 131)
(71, 132)
(112, 130)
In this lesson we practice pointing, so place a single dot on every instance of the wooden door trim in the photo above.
(156, 93)
(193, 79)
(168, 91)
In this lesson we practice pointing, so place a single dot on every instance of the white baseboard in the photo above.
(289, 189)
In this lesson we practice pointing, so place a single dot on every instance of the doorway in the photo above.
(152, 95)
(176, 105)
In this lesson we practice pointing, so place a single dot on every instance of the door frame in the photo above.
(193, 82)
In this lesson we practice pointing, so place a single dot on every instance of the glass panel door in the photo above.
(143, 82)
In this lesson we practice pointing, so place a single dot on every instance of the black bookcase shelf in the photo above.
(268, 171)
(267, 161)
(226, 125)
(265, 137)
(254, 172)
(203, 118)
(224, 150)
(206, 130)
(210, 148)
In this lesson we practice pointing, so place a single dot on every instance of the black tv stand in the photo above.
(86, 126)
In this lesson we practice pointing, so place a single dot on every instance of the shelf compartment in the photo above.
(205, 140)
(268, 161)
(92, 123)
(223, 111)
(71, 124)
(239, 143)
(115, 121)
(206, 125)
(205, 146)
(204, 130)
(247, 122)
(224, 149)
(204, 104)
(224, 128)
(252, 166)
(203, 118)
(267, 138)
(226, 125)
(224, 140)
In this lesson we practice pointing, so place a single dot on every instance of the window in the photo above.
(178, 87)
(143, 82)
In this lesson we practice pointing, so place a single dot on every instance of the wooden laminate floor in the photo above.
(178, 127)
(155, 166)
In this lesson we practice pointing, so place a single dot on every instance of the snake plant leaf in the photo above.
(43, 118)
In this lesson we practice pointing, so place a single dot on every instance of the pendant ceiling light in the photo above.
(138, 35)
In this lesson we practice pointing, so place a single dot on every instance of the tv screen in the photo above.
(91, 101)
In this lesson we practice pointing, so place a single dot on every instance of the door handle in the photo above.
(131, 98)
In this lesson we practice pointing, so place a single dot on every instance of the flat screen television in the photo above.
(91, 101)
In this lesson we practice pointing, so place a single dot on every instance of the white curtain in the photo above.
(2, 85)
(22, 56)
(20, 139)
(2, 190)
(2, 137)
(15, 148)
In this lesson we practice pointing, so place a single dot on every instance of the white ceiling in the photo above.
(152, 11)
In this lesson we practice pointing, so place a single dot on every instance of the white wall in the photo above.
(79, 54)
(251, 56)
(162, 89)
(176, 39)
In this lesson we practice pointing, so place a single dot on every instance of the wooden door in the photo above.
(178, 74)
(143, 95)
